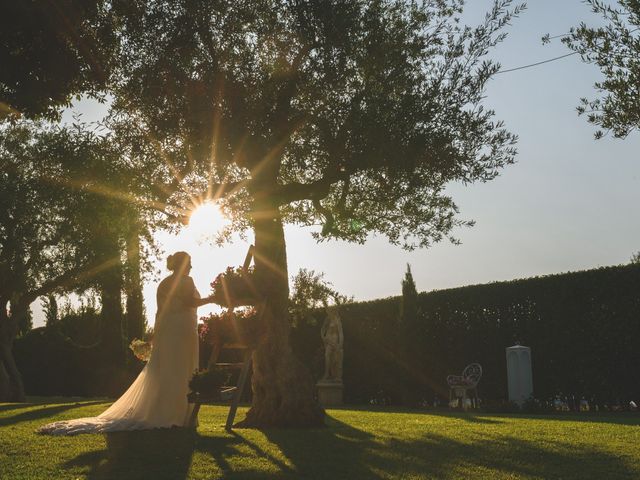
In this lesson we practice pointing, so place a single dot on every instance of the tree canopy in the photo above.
(38, 241)
(52, 51)
(38, 251)
(615, 49)
(351, 114)
(64, 220)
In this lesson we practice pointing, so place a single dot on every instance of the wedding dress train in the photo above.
(158, 396)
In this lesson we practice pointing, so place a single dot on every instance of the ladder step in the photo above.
(234, 346)
(230, 365)
(227, 393)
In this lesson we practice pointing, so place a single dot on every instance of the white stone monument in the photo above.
(519, 374)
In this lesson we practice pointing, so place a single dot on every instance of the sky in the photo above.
(569, 203)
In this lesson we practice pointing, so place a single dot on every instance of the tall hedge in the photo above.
(583, 329)
(68, 358)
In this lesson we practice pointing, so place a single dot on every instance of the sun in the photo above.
(205, 221)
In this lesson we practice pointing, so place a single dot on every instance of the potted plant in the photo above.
(235, 287)
(207, 383)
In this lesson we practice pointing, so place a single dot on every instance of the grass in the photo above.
(356, 444)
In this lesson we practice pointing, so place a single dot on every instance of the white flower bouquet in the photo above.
(141, 349)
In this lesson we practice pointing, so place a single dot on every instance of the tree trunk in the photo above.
(135, 307)
(113, 330)
(283, 389)
(12, 389)
(5, 384)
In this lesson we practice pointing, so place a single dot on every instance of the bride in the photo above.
(158, 397)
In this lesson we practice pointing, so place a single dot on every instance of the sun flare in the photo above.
(206, 220)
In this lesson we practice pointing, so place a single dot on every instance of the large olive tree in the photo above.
(354, 115)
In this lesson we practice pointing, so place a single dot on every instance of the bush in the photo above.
(242, 326)
(536, 406)
(51, 365)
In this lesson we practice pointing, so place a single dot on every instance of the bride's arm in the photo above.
(191, 300)
(198, 302)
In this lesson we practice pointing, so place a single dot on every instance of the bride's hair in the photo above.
(177, 261)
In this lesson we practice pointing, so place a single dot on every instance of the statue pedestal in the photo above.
(329, 393)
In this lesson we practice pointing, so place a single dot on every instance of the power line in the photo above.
(551, 59)
(557, 36)
(537, 63)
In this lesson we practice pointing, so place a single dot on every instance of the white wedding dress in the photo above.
(158, 397)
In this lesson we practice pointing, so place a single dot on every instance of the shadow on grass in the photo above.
(476, 416)
(15, 406)
(466, 416)
(618, 418)
(221, 448)
(341, 451)
(33, 401)
(164, 454)
(144, 454)
(40, 413)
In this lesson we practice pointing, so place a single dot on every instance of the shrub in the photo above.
(241, 326)
(208, 382)
(67, 358)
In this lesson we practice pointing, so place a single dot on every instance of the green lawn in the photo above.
(356, 444)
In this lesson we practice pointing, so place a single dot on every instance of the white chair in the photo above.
(459, 385)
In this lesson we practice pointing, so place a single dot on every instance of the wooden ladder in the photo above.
(236, 391)
(244, 367)
(239, 388)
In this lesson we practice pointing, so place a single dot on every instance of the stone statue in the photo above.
(332, 337)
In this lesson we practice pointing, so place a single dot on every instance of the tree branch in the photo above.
(317, 190)
(67, 280)
(327, 214)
